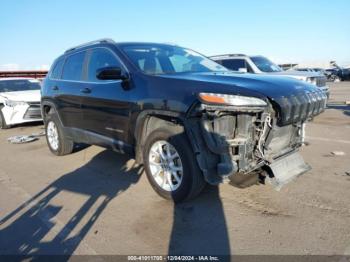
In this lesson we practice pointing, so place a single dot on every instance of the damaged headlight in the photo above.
(12, 103)
(233, 100)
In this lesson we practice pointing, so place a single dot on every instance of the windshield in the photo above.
(19, 85)
(157, 59)
(265, 65)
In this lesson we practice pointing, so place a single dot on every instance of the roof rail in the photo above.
(228, 55)
(103, 40)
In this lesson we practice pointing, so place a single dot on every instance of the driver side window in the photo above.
(234, 64)
(99, 58)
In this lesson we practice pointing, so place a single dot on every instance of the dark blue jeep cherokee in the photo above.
(189, 120)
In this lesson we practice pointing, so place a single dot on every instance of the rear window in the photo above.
(19, 85)
(73, 67)
(57, 70)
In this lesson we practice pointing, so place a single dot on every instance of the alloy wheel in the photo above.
(52, 135)
(165, 165)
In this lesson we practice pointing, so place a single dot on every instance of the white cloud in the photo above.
(17, 67)
(9, 67)
(42, 67)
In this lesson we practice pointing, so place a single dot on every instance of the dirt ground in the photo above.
(98, 202)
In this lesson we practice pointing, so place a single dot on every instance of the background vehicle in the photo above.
(335, 74)
(262, 65)
(305, 69)
(338, 74)
(189, 120)
(332, 75)
(319, 70)
(19, 101)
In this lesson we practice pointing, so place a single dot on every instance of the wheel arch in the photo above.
(149, 121)
(48, 106)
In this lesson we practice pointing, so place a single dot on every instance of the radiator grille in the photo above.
(301, 107)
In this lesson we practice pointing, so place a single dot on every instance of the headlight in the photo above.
(233, 100)
(12, 103)
(311, 80)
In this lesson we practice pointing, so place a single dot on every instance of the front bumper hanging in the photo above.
(285, 169)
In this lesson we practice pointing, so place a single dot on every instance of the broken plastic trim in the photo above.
(21, 139)
(25, 138)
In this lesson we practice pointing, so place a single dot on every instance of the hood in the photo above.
(242, 84)
(296, 74)
(292, 99)
(25, 96)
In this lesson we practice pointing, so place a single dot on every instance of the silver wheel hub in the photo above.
(52, 135)
(165, 165)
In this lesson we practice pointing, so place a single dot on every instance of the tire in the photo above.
(65, 145)
(192, 181)
(3, 124)
(336, 79)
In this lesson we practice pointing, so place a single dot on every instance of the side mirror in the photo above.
(110, 73)
(243, 70)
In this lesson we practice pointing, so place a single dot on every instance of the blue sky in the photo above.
(34, 33)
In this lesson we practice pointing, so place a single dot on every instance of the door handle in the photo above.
(55, 88)
(85, 90)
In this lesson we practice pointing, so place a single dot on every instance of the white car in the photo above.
(262, 65)
(19, 101)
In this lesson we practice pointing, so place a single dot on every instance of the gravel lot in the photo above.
(98, 202)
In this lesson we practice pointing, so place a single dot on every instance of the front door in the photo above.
(105, 103)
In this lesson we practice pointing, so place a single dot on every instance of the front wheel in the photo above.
(171, 167)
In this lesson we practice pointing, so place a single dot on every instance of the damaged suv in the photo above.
(187, 119)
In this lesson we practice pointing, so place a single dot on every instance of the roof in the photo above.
(99, 41)
(228, 55)
(144, 43)
(111, 41)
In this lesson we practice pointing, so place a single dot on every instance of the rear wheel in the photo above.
(59, 144)
(3, 124)
(171, 167)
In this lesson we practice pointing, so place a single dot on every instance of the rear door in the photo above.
(105, 103)
(67, 90)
